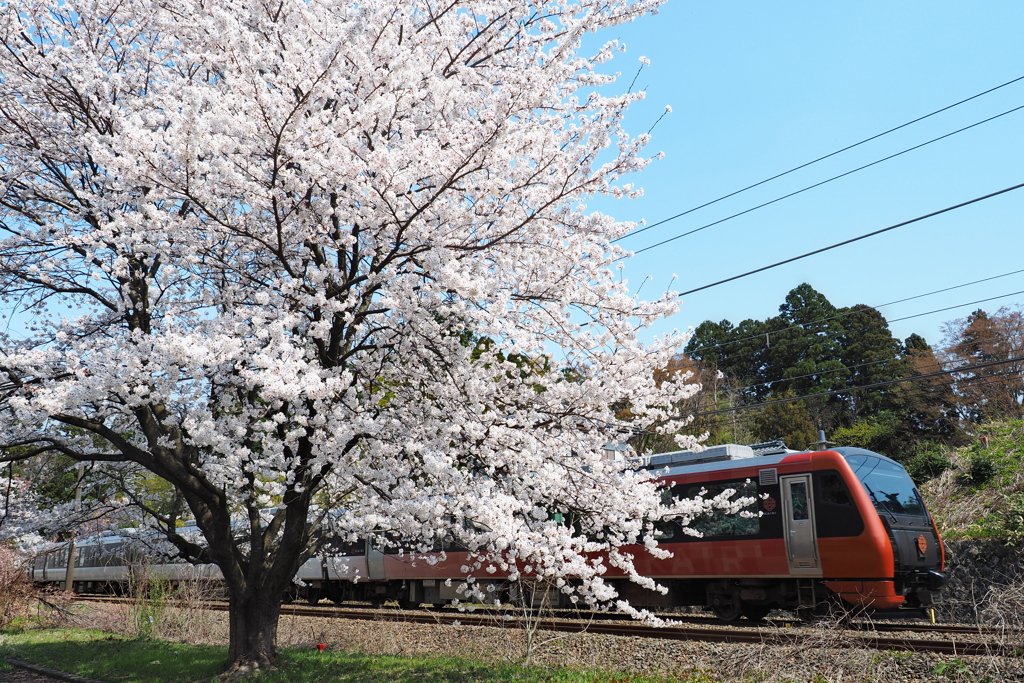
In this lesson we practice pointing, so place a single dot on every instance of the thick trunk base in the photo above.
(253, 635)
(238, 670)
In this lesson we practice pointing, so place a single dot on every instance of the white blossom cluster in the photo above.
(335, 255)
(22, 516)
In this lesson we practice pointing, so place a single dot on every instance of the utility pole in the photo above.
(69, 576)
(734, 440)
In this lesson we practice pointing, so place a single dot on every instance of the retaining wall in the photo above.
(986, 584)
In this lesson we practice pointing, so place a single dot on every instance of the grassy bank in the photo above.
(99, 655)
(980, 492)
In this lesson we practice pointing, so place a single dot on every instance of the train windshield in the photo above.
(889, 486)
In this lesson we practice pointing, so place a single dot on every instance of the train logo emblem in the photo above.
(922, 544)
(769, 504)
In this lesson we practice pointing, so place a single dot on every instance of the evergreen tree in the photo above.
(791, 422)
(811, 348)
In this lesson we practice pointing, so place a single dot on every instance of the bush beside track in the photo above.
(977, 499)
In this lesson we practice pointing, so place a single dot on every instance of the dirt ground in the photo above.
(16, 675)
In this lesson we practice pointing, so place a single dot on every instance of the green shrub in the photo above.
(928, 464)
(1013, 518)
(953, 668)
(151, 594)
(876, 433)
(981, 468)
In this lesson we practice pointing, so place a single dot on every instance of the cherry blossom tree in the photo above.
(21, 514)
(319, 259)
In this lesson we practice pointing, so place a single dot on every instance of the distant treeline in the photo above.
(902, 398)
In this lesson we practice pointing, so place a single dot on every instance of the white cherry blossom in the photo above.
(319, 255)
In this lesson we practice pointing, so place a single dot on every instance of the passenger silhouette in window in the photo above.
(798, 490)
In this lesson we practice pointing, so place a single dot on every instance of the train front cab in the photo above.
(840, 527)
(854, 523)
(895, 516)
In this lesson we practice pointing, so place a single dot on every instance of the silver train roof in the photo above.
(730, 457)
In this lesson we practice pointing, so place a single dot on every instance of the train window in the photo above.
(117, 554)
(720, 522)
(835, 514)
(665, 530)
(132, 554)
(891, 489)
(831, 488)
(108, 554)
(857, 461)
(798, 491)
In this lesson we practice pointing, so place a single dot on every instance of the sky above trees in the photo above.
(757, 89)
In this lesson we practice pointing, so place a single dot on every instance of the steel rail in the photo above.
(770, 633)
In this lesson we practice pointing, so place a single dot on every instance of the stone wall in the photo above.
(986, 584)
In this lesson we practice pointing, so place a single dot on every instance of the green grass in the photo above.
(95, 654)
(99, 655)
(981, 495)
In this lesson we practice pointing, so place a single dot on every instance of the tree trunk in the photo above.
(253, 618)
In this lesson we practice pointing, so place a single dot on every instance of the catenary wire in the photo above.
(939, 310)
(851, 312)
(823, 182)
(843, 315)
(822, 158)
(949, 289)
(834, 370)
(910, 378)
(822, 372)
(856, 239)
(839, 369)
(725, 420)
(719, 417)
(973, 381)
(710, 421)
(874, 385)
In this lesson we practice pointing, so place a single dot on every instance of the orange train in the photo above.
(842, 527)
(833, 528)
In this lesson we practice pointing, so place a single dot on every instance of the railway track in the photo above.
(867, 635)
(862, 626)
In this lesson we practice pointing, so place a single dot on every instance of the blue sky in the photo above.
(758, 88)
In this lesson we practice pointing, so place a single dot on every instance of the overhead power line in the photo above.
(823, 182)
(822, 372)
(975, 382)
(848, 390)
(822, 158)
(949, 308)
(949, 289)
(857, 239)
(775, 333)
(853, 310)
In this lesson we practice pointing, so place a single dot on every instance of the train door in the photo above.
(798, 508)
(374, 562)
